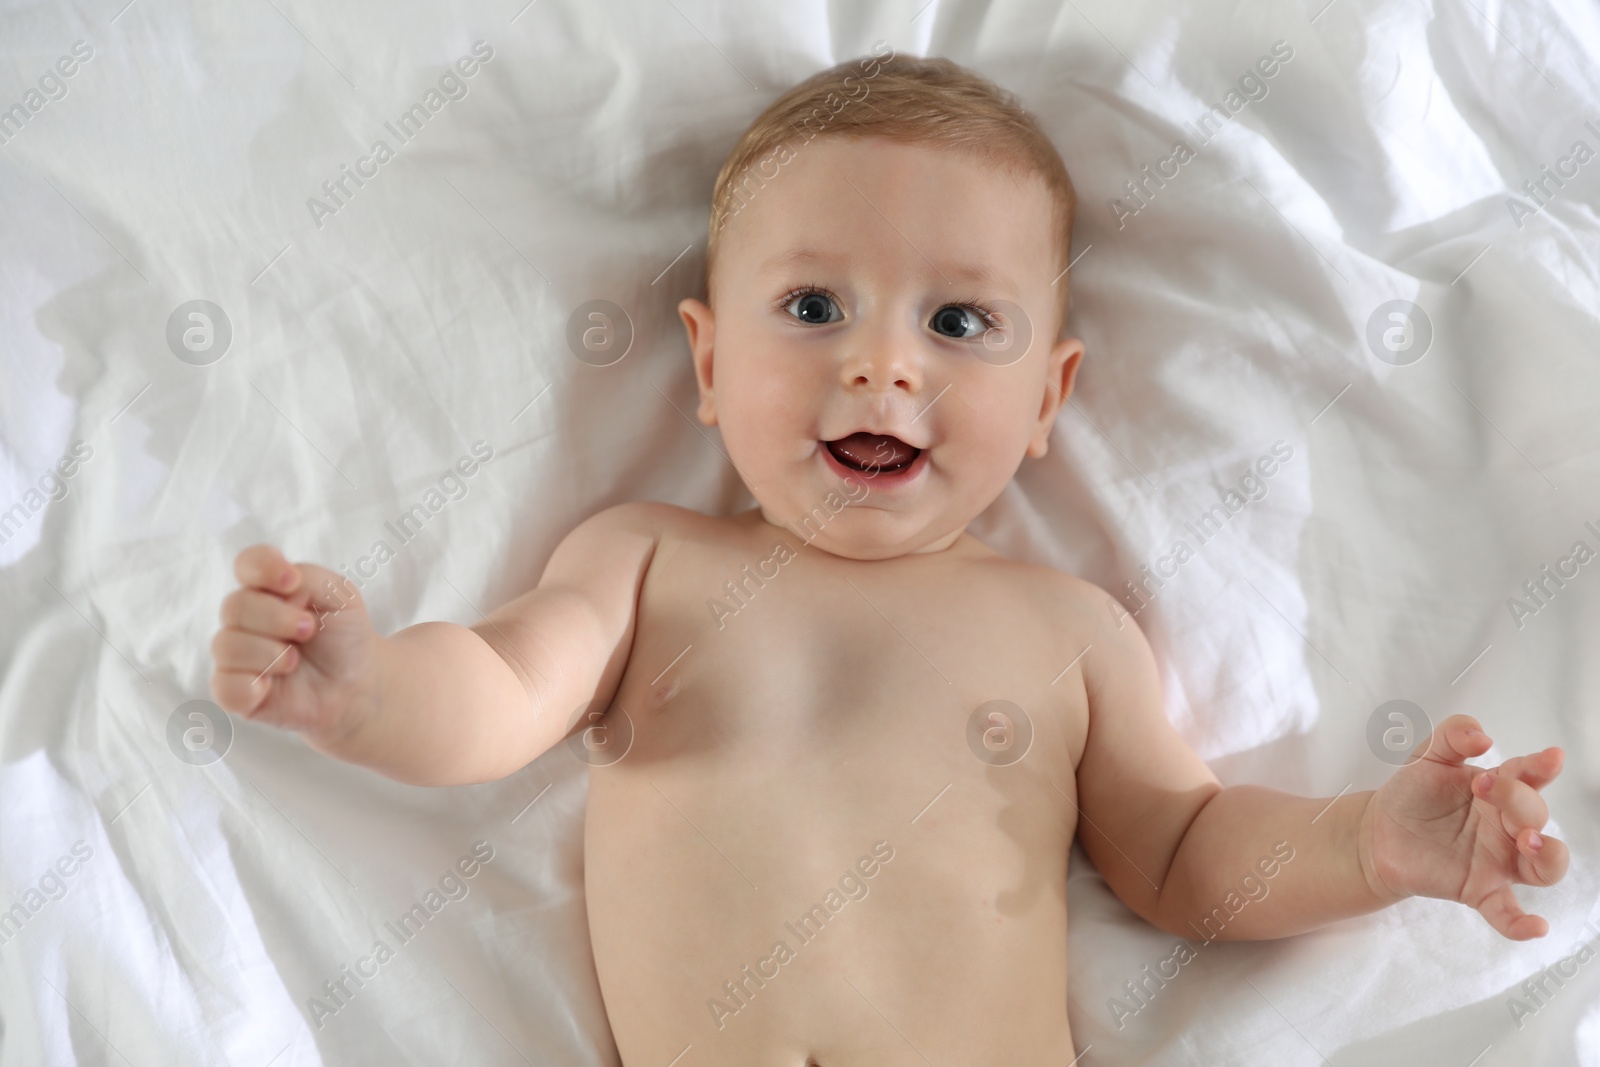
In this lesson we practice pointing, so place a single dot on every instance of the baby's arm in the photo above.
(436, 703)
(1177, 847)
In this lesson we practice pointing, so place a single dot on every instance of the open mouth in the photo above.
(873, 453)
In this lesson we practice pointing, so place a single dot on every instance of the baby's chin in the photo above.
(863, 532)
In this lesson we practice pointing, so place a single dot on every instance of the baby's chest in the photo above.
(814, 701)
(773, 668)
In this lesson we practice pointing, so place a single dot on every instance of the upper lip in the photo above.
(902, 438)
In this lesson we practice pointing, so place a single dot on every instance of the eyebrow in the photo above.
(796, 257)
(967, 272)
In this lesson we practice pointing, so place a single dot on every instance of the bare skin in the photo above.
(819, 763)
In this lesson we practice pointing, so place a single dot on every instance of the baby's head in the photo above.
(886, 284)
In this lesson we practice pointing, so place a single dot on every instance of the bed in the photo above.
(230, 317)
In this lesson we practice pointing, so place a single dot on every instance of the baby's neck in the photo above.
(956, 542)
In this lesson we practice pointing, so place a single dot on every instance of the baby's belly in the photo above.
(778, 897)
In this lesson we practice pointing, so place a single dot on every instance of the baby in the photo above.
(838, 748)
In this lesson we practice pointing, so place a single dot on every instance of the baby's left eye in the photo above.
(954, 320)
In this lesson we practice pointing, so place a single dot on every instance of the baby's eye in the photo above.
(955, 320)
(814, 308)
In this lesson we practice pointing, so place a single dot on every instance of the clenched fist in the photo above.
(296, 648)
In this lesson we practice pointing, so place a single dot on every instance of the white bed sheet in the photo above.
(372, 345)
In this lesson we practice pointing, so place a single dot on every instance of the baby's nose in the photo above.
(884, 363)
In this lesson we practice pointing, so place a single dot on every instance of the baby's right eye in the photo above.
(814, 308)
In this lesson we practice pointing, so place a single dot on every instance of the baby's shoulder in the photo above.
(652, 517)
(660, 531)
(1056, 596)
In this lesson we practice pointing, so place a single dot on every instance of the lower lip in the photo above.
(879, 479)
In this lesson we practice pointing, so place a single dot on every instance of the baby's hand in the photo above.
(296, 648)
(1441, 827)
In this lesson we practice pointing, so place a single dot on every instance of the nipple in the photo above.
(664, 692)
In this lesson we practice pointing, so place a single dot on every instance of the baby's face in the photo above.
(856, 293)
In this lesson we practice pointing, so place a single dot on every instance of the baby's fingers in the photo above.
(1542, 865)
(1502, 912)
(256, 612)
(264, 567)
(239, 691)
(1518, 804)
(1456, 740)
(235, 650)
(1538, 770)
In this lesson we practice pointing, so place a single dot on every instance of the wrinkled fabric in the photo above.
(403, 223)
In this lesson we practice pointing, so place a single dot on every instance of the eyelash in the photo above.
(987, 314)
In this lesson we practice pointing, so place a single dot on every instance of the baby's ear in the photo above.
(1060, 372)
(699, 322)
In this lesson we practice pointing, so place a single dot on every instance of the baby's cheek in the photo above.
(976, 474)
(775, 396)
(993, 448)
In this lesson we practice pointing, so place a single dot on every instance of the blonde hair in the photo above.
(909, 99)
